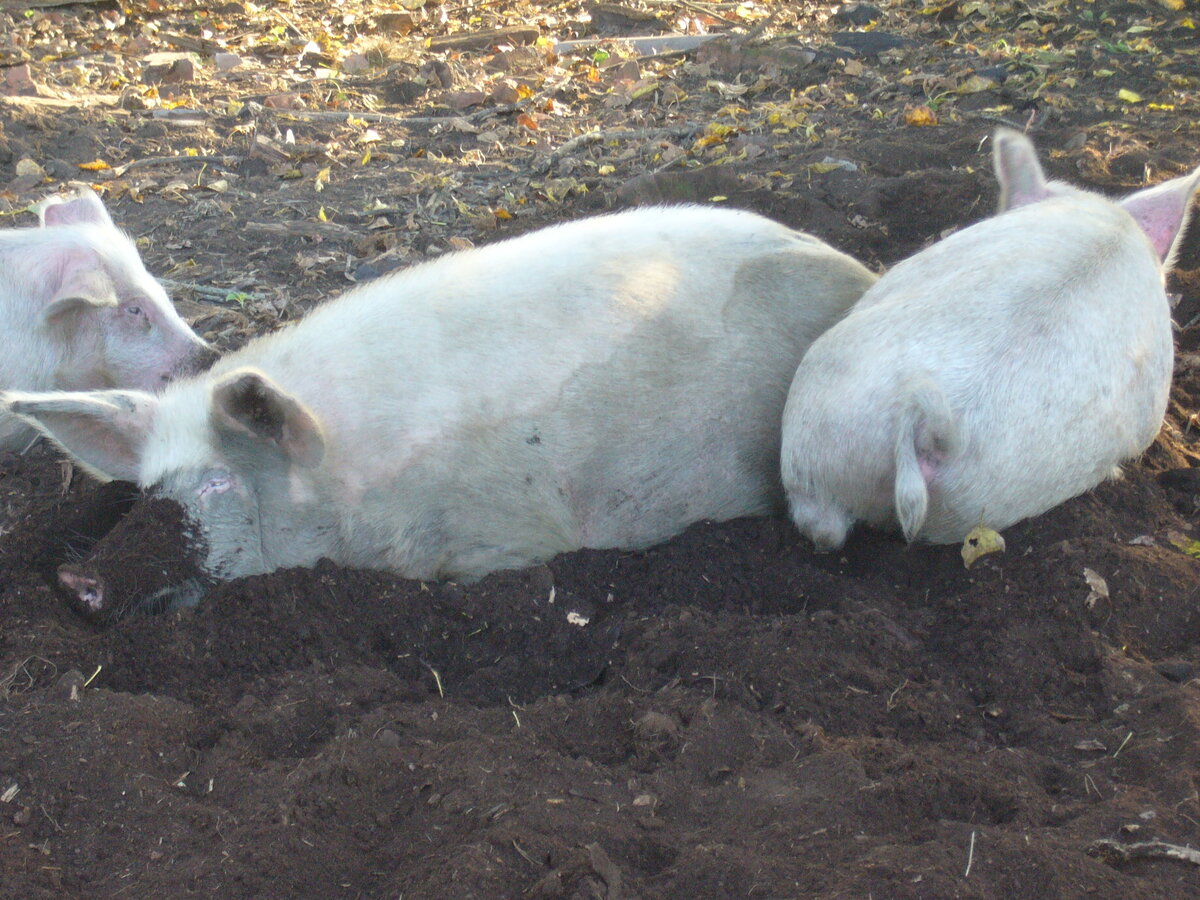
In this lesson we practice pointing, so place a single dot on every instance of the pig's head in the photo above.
(240, 456)
(109, 320)
(1160, 211)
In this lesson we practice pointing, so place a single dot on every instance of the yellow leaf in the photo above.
(980, 542)
(1129, 96)
(365, 159)
(322, 179)
(921, 116)
(321, 215)
(975, 84)
(502, 213)
(606, 170)
(717, 198)
(648, 88)
(97, 165)
(1164, 106)
(1188, 545)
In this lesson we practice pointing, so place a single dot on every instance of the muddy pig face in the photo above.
(148, 563)
(111, 322)
(233, 456)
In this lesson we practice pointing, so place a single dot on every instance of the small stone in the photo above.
(174, 72)
(1177, 670)
(858, 14)
(505, 92)
(401, 22)
(61, 169)
(355, 63)
(388, 738)
(623, 71)
(226, 62)
(656, 724)
(18, 80)
(69, 685)
(464, 99)
(28, 168)
(22, 817)
(284, 101)
(871, 42)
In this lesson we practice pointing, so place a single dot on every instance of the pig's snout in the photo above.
(85, 588)
(199, 360)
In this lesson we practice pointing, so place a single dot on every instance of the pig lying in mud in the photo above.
(1003, 370)
(78, 310)
(599, 384)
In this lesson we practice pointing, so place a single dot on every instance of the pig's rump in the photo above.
(1030, 349)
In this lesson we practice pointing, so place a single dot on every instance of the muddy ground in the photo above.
(738, 717)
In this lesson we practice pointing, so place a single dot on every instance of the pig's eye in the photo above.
(218, 484)
(133, 310)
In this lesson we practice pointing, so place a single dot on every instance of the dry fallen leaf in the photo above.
(920, 116)
(1099, 588)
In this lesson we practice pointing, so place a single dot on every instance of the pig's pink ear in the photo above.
(1017, 169)
(104, 430)
(247, 402)
(1162, 212)
(83, 284)
(84, 208)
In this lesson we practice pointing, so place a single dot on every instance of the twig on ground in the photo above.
(202, 290)
(203, 159)
(1115, 852)
(592, 137)
(318, 115)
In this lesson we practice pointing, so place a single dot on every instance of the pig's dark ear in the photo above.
(105, 431)
(1017, 169)
(84, 208)
(1162, 212)
(248, 403)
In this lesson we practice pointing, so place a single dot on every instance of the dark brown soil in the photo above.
(728, 715)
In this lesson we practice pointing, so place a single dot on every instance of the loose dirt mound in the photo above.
(728, 715)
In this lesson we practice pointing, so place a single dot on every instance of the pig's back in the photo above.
(497, 332)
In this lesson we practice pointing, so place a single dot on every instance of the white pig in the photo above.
(995, 374)
(78, 310)
(597, 384)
